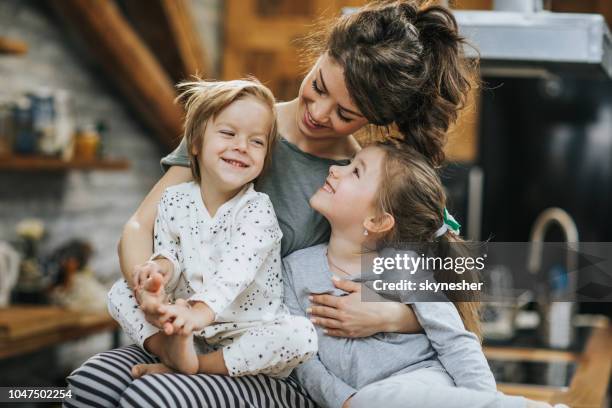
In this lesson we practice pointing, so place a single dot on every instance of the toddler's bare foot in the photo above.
(143, 369)
(180, 354)
(152, 295)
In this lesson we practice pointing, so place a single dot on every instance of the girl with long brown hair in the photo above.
(390, 195)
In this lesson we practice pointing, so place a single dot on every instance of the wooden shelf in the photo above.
(11, 46)
(36, 163)
(24, 329)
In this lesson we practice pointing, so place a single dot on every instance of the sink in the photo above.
(529, 338)
(543, 373)
(577, 376)
(525, 360)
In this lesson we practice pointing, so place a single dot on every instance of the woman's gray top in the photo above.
(344, 365)
(292, 178)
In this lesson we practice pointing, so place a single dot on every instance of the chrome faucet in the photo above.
(556, 316)
(540, 226)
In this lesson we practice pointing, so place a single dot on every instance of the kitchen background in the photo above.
(86, 112)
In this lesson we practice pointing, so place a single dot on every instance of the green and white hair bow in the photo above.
(450, 224)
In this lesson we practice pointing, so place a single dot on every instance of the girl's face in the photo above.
(234, 144)
(349, 195)
(325, 108)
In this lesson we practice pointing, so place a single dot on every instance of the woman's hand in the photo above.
(348, 316)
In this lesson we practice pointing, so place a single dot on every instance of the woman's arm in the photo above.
(349, 316)
(136, 243)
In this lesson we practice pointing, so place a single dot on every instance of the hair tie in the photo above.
(450, 224)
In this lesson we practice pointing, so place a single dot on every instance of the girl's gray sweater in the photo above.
(344, 365)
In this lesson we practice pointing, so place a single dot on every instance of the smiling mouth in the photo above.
(327, 187)
(235, 163)
(310, 122)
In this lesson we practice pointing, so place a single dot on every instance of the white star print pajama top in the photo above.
(232, 263)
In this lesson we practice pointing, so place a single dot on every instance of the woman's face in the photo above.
(349, 195)
(325, 108)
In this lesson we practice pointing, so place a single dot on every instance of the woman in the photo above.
(386, 65)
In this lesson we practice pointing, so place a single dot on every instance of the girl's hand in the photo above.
(348, 316)
(347, 403)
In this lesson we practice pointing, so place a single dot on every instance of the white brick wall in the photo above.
(90, 205)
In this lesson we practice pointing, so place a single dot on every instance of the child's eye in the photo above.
(316, 88)
(227, 132)
(258, 142)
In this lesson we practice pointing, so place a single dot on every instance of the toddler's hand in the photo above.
(150, 297)
(179, 318)
(143, 272)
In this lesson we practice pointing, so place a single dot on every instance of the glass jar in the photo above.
(6, 128)
(25, 139)
(86, 144)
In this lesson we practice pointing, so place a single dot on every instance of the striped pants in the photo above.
(105, 381)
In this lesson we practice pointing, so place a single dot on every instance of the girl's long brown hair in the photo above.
(411, 191)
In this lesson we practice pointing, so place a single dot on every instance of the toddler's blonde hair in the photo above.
(203, 100)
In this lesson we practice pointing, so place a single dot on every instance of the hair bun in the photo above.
(436, 23)
(404, 65)
(409, 10)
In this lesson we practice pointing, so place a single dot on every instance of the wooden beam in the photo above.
(128, 63)
(472, 4)
(186, 36)
(170, 32)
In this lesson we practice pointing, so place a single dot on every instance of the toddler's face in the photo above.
(349, 194)
(235, 143)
